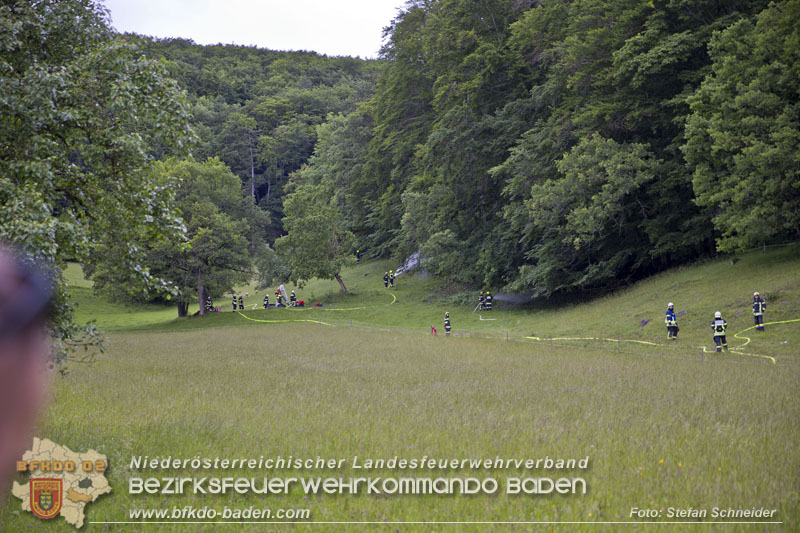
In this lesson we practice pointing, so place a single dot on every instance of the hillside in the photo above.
(698, 291)
(258, 109)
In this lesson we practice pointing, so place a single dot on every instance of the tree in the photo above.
(80, 113)
(588, 218)
(743, 135)
(218, 219)
(317, 244)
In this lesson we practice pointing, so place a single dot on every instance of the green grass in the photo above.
(726, 432)
(662, 427)
(697, 290)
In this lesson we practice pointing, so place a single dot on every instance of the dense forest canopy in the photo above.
(536, 146)
(80, 114)
(559, 145)
(257, 110)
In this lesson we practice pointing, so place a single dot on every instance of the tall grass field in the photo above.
(665, 425)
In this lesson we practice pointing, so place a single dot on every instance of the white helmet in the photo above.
(755, 294)
(717, 315)
(670, 304)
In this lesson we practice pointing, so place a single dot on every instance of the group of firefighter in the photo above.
(279, 300)
(238, 301)
(484, 304)
(719, 326)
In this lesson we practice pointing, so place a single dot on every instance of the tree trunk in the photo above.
(341, 283)
(183, 308)
(201, 299)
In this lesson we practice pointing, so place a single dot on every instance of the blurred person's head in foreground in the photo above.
(24, 357)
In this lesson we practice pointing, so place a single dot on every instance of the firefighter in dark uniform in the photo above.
(447, 324)
(293, 299)
(278, 299)
(759, 306)
(671, 320)
(385, 279)
(391, 278)
(209, 304)
(487, 302)
(358, 256)
(481, 300)
(234, 302)
(719, 326)
(241, 302)
(266, 300)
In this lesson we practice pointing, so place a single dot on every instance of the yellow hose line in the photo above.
(741, 353)
(540, 339)
(742, 337)
(283, 321)
(736, 349)
(591, 339)
(394, 299)
(737, 335)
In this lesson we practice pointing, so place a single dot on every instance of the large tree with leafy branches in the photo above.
(743, 135)
(318, 243)
(218, 220)
(80, 116)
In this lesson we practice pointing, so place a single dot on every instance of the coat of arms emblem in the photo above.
(46, 497)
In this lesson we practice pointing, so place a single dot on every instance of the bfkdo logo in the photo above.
(61, 483)
(47, 495)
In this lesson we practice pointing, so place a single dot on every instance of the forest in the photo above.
(553, 146)
(258, 110)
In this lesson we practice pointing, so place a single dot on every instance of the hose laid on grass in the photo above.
(282, 321)
(394, 299)
(591, 339)
(742, 337)
(736, 349)
(736, 335)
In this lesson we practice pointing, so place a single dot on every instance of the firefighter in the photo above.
(759, 306)
(209, 304)
(234, 303)
(719, 326)
(266, 300)
(358, 256)
(391, 278)
(241, 302)
(278, 298)
(672, 322)
(293, 299)
(487, 302)
(385, 280)
(481, 300)
(447, 324)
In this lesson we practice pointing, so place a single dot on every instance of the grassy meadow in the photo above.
(662, 426)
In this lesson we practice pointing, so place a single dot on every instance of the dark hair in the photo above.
(25, 295)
